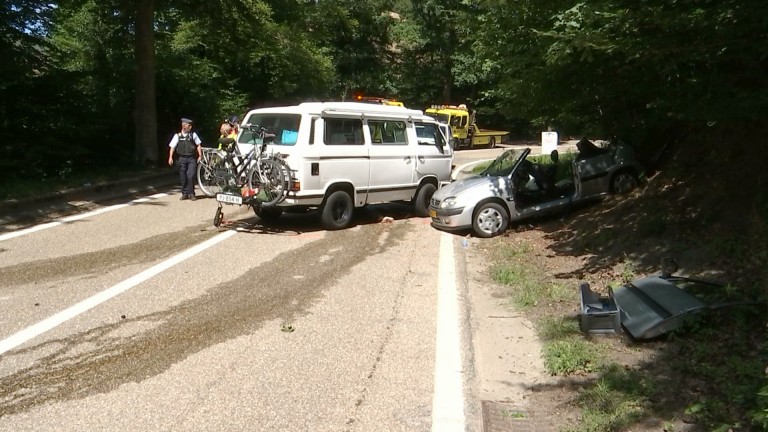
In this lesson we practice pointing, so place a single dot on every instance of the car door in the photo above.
(434, 155)
(392, 160)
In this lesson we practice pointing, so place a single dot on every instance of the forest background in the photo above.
(89, 85)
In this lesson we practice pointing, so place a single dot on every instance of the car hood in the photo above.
(463, 187)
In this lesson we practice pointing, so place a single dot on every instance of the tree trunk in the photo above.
(145, 111)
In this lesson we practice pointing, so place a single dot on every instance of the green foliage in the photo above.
(570, 356)
(514, 269)
(760, 414)
(557, 328)
(606, 67)
(609, 67)
(619, 399)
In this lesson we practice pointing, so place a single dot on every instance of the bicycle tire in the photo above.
(268, 179)
(211, 175)
(286, 176)
(285, 170)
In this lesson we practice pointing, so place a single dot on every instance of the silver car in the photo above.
(613, 168)
(512, 188)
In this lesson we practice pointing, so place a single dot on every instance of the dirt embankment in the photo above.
(705, 204)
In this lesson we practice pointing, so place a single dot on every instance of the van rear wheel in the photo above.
(337, 211)
(421, 202)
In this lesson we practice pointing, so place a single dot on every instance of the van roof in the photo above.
(362, 107)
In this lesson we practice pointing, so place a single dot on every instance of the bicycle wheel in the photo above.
(211, 176)
(267, 177)
(285, 172)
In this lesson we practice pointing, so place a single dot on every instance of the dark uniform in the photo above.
(185, 146)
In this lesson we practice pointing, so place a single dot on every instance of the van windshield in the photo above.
(275, 128)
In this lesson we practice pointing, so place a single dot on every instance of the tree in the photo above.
(145, 113)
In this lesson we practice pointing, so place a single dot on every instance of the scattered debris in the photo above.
(287, 328)
(387, 219)
(648, 307)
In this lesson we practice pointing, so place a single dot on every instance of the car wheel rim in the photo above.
(624, 183)
(339, 212)
(489, 221)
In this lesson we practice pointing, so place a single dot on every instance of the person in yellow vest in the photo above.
(228, 132)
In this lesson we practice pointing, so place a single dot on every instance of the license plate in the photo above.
(229, 198)
(432, 213)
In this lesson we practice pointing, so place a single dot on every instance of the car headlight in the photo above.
(448, 202)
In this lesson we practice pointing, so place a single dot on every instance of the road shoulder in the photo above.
(506, 350)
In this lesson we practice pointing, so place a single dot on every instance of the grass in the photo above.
(527, 290)
(552, 328)
(570, 356)
(719, 381)
(617, 400)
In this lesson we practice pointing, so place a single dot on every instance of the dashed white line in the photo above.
(55, 320)
(448, 397)
(76, 217)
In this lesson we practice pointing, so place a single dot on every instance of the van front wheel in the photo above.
(337, 211)
(421, 202)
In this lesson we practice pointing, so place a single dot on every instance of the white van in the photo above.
(349, 154)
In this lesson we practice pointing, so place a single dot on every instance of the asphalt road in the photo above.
(135, 313)
(142, 316)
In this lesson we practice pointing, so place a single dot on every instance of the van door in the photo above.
(434, 155)
(392, 161)
(344, 156)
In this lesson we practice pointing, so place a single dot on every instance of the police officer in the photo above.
(187, 145)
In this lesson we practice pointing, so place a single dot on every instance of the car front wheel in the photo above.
(490, 219)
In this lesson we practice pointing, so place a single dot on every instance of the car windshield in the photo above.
(279, 129)
(502, 165)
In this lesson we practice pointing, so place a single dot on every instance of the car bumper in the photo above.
(451, 219)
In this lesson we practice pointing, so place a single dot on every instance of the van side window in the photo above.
(312, 122)
(387, 132)
(428, 134)
(343, 131)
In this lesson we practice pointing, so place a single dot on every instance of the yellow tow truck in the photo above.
(466, 133)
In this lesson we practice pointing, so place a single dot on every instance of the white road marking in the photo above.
(61, 221)
(448, 396)
(95, 300)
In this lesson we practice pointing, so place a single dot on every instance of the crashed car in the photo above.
(513, 187)
(612, 168)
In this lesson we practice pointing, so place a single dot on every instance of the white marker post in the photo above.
(549, 142)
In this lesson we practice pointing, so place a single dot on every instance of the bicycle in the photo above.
(212, 160)
(257, 179)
